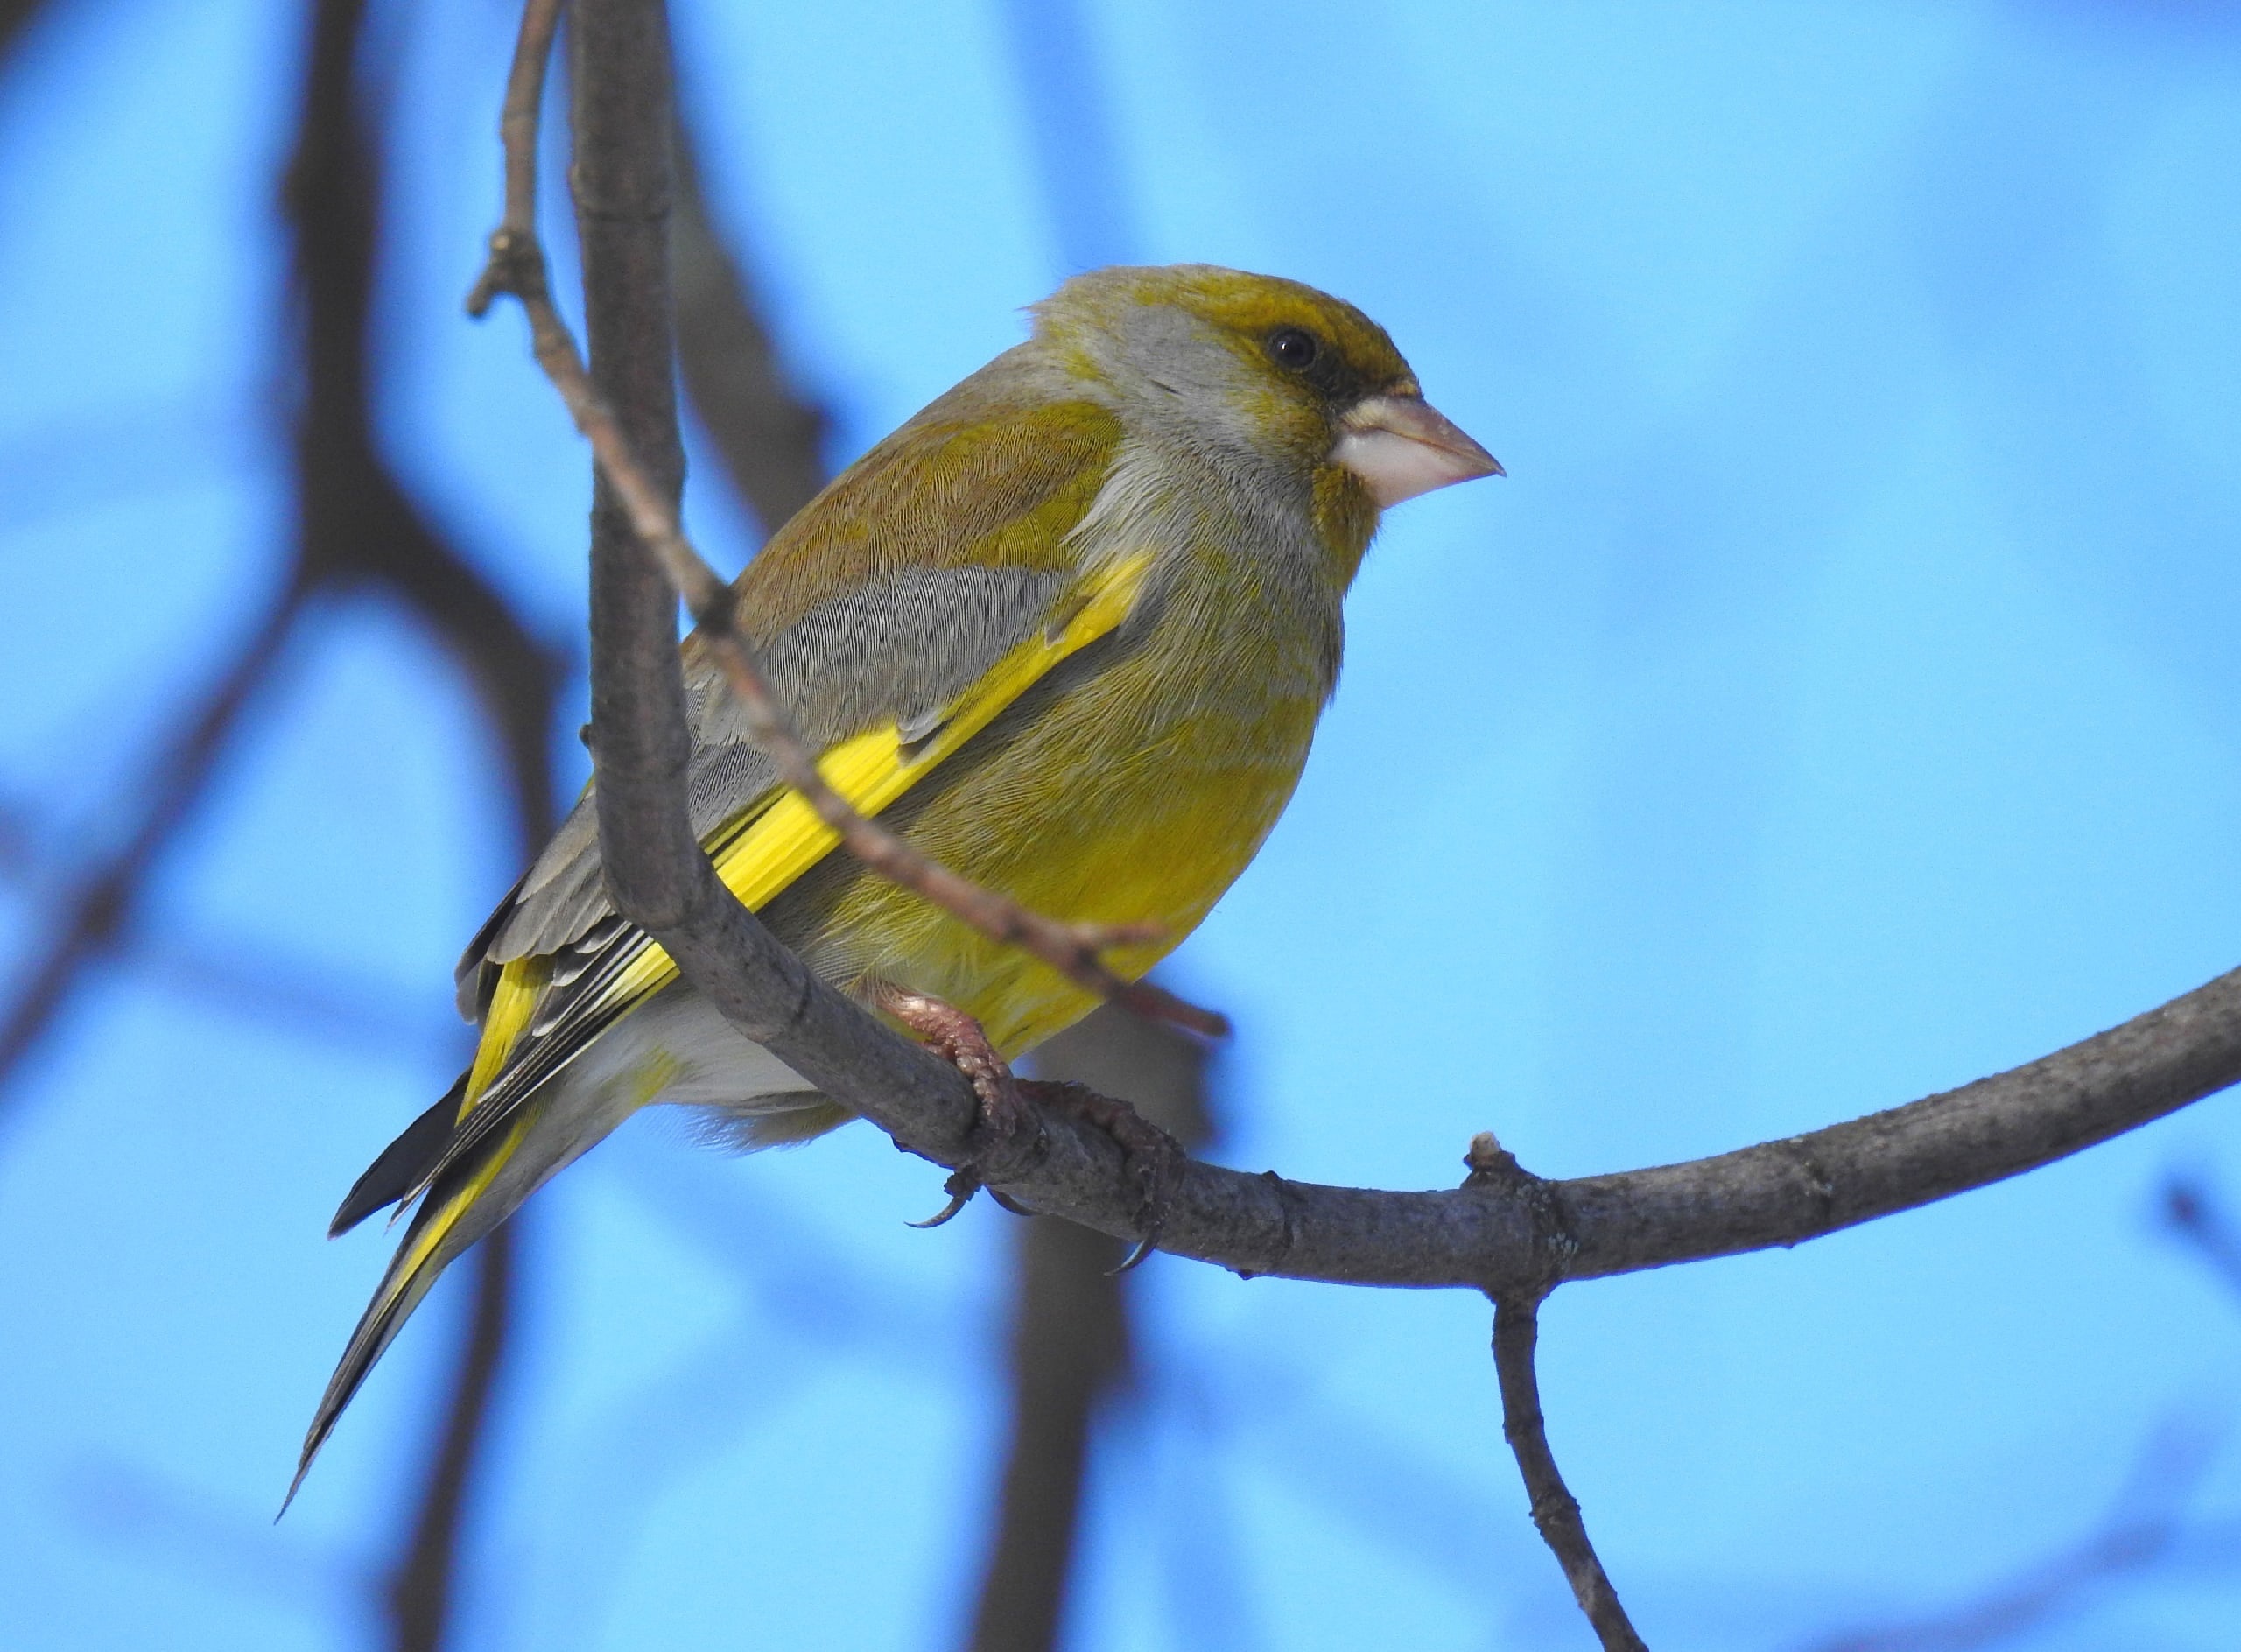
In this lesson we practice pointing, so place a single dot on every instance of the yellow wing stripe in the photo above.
(405, 1273)
(787, 838)
(511, 1004)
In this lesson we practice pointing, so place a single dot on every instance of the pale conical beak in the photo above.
(1402, 446)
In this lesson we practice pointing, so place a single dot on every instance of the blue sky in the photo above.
(1835, 703)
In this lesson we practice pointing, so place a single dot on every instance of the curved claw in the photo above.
(960, 1188)
(1145, 1246)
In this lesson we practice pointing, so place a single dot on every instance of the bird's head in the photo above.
(1272, 369)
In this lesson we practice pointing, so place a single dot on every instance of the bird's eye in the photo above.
(1294, 347)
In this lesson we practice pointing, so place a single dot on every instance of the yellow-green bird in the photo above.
(1068, 631)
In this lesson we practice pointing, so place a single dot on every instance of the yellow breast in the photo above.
(1136, 795)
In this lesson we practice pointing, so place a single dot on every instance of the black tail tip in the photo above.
(403, 1164)
(294, 1486)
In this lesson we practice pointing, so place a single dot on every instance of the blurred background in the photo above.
(1838, 701)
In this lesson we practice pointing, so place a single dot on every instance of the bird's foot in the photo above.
(1149, 1156)
(1008, 1134)
(1008, 1131)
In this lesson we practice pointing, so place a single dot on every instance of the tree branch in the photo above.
(1780, 1192)
(620, 76)
(1556, 1511)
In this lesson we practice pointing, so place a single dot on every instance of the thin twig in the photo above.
(518, 266)
(1556, 1511)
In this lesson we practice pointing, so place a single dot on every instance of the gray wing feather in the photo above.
(900, 652)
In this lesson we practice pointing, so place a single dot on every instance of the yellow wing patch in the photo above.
(760, 855)
(511, 1004)
(408, 1277)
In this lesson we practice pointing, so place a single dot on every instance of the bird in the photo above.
(1068, 631)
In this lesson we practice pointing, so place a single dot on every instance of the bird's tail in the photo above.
(465, 1202)
(675, 1048)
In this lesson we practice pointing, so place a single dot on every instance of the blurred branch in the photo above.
(355, 529)
(1069, 1350)
(2193, 1212)
(769, 438)
(105, 901)
(1070, 1337)
(2142, 1530)
(358, 528)
(309, 996)
(16, 18)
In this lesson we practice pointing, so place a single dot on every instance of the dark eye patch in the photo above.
(1308, 355)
